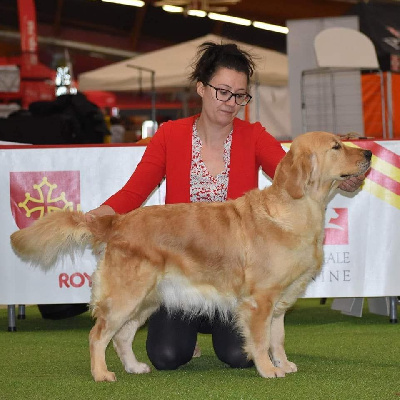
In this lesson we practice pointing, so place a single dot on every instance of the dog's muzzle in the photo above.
(363, 165)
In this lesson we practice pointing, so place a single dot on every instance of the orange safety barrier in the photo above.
(372, 104)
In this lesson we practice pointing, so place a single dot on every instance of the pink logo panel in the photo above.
(337, 228)
(34, 194)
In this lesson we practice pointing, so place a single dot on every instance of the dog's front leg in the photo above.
(255, 318)
(277, 349)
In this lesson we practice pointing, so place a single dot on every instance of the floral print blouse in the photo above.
(204, 187)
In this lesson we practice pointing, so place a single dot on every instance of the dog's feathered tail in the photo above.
(58, 234)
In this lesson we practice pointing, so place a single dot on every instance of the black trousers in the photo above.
(172, 338)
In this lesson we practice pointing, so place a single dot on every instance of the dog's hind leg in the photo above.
(255, 316)
(117, 301)
(108, 322)
(123, 339)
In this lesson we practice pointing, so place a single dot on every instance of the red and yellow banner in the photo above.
(383, 179)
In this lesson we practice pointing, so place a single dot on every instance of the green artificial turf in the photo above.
(338, 357)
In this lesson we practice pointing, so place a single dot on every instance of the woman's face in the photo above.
(217, 111)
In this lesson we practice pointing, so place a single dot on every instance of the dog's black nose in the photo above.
(368, 154)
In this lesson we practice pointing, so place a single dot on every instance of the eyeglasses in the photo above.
(241, 99)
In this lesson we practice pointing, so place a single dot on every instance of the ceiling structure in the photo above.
(97, 33)
(218, 6)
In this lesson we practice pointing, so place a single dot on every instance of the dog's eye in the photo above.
(336, 146)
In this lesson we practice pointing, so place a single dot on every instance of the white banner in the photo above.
(362, 229)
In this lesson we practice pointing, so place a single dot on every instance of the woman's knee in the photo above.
(228, 345)
(235, 357)
(168, 357)
(170, 340)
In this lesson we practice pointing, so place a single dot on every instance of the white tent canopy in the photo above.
(172, 66)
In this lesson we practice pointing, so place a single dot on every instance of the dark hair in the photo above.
(211, 56)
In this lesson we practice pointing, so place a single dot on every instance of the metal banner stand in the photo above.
(153, 91)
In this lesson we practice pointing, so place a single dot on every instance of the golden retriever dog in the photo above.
(252, 256)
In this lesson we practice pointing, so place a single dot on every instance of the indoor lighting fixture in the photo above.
(270, 27)
(227, 18)
(197, 13)
(172, 9)
(134, 3)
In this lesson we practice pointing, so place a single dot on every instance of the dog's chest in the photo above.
(178, 293)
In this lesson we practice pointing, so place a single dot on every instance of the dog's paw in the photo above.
(138, 368)
(273, 372)
(107, 376)
(288, 367)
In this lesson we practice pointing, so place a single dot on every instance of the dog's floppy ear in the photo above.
(296, 172)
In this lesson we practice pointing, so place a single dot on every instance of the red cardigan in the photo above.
(169, 155)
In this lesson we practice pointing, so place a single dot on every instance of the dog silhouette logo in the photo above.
(337, 226)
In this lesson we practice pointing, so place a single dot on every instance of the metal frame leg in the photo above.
(11, 318)
(21, 311)
(393, 309)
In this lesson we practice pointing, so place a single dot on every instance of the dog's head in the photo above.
(316, 160)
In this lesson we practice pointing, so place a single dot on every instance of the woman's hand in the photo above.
(99, 212)
(352, 184)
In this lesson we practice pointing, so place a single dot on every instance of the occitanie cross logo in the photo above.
(34, 194)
